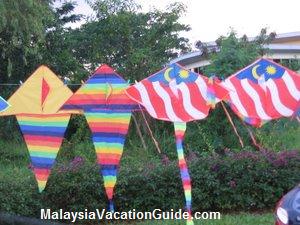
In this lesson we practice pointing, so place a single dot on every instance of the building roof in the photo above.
(287, 36)
(283, 47)
(188, 58)
(196, 56)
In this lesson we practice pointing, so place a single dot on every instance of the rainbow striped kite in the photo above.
(108, 111)
(178, 95)
(36, 104)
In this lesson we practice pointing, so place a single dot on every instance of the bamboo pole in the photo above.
(139, 132)
(150, 131)
(232, 124)
(252, 136)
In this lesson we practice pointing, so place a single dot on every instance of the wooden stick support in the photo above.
(139, 132)
(232, 124)
(252, 136)
(150, 131)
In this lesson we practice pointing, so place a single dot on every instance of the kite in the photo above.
(3, 105)
(178, 95)
(36, 104)
(263, 91)
(108, 111)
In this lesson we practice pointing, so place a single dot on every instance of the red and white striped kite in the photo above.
(178, 95)
(263, 91)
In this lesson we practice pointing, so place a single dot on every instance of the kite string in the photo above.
(8, 84)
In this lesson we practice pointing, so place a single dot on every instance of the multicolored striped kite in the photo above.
(178, 95)
(36, 104)
(108, 111)
(263, 91)
(3, 105)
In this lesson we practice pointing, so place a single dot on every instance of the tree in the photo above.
(293, 64)
(22, 29)
(106, 8)
(234, 53)
(57, 50)
(135, 43)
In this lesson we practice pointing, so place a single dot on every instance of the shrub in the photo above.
(243, 181)
(231, 182)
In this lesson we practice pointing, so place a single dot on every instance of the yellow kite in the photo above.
(36, 105)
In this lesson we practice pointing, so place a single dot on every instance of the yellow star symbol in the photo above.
(271, 70)
(184, 74)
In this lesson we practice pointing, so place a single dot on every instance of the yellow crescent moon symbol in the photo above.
(254, 72)
(167, 74)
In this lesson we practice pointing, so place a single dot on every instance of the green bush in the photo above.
(74, 187)
(243, 181)
(279, 134)
(231, 182)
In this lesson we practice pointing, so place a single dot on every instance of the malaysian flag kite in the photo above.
(178, 95)
(263, 91)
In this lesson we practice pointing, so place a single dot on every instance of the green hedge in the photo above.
(231, 182)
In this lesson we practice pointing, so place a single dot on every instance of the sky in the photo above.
(209, 19)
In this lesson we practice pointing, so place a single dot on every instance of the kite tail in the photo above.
(111, 206)
(110, 173)
(211, 93)
(185, 176)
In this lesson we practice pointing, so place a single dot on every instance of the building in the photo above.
(284, 46)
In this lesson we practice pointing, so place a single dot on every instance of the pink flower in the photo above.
(232, 184)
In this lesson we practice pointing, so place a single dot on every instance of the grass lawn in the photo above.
(238, 219)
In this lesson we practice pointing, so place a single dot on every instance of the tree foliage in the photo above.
(135, 43)
(120, 34)
(57, 49)
(106, 8)
(234, 53)
(22, 28)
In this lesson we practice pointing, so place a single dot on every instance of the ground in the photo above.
(239, 219)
